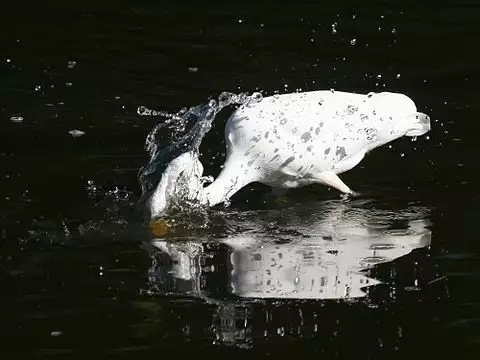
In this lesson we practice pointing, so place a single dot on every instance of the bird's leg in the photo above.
(331, 179)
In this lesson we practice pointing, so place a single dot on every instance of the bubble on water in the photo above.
(16, 118)
(353, 42)
(76, 133)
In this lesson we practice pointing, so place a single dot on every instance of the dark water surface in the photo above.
(392, 274)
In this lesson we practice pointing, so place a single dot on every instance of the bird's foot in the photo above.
(349, 195)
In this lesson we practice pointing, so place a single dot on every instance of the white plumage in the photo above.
(293, 140)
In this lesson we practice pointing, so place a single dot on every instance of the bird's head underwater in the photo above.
(181, 181)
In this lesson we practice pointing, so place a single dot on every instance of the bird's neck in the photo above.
(230, 180)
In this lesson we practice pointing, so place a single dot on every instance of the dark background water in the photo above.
(79, 275)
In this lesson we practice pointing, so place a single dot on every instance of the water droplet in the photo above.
(351, 109)
(394, 31)
(312, 40)
(76, 133)
(379, 76)
(353, 42)
(225, 99)
(38, 87)
(16, 118)
(9, 60)
(71, 64)
(402, 155)
(192, 69)
(334, 28)
(398, 76)
(143, 111)
(213, 104)
(240, 21)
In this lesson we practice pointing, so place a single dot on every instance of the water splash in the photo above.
(180, 133)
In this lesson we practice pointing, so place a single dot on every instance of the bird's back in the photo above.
(313, 131)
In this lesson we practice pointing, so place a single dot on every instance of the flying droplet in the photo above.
(334, 28)
(16, 118)
(76, 133)
(353, 42)
(256, 97)
(213, 104)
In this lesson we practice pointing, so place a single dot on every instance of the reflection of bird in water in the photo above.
(293, 140)
(319, 253)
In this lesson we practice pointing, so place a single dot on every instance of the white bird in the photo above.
(293, 140)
